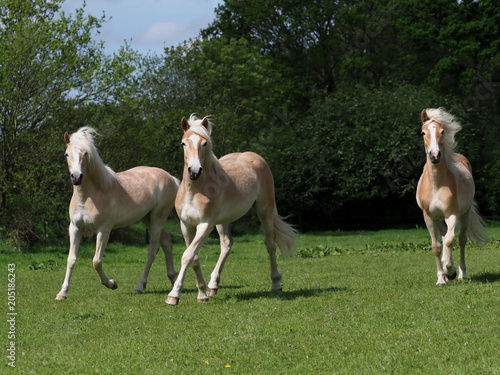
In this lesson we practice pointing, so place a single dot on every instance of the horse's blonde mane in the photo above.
(447, 120)
(102, 175)
(196, 126)
(451, 127)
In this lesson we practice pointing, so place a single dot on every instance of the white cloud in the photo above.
(169, 32)
(149, 25)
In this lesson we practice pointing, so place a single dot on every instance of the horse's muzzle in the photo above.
(77, 180)
(193, 176)
(435, 157)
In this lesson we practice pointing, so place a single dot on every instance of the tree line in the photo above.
(328, 92)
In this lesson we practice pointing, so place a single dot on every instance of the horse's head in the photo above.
(433, 133)
(197, 145)
(77, 158)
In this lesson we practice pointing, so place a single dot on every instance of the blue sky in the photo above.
(148, 25)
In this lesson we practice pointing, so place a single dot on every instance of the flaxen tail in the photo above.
(284, 235)
(476, 230)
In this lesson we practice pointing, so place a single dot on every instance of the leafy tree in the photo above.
(301, 36)
(228, 79)
(49, 63)
(356, 154)
(431, 53)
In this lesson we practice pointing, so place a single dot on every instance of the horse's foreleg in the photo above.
(200, 281)
(436, 248)
(448, 240)
(166, 245)
(154, 245)
(226, 242)
(101, 242)
(190, 257)
(75, 237)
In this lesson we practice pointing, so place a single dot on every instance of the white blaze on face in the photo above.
(76, 165)
(434, 146)
(193, 161)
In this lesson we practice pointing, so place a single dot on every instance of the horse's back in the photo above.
(141, 190)
(462, 160)
(247, 171)
(465, 183)
(245, 161)
(249, 180)
(148, 177)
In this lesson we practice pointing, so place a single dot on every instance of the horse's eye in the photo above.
(423, 133)
(204, 144)
(442, 132)
(66, 154)
(183, 144)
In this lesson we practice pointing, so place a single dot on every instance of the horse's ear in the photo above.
(66, 138)
(204, 122)
(184, 124)
(424, 116)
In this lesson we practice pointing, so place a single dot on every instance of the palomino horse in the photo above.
(217, 192)
(103, 200)
(445, 193)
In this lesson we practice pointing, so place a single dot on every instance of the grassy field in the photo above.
(353, 303)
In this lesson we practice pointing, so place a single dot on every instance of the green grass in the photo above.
(368, 306)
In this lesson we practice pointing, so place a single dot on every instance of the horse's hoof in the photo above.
(136, 292)
(60, 298)
(212, 292)
(451, 277)
(173, 301)
(114, 286)
(202, 300)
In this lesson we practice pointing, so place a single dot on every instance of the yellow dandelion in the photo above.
(228, 366)
(206, 362)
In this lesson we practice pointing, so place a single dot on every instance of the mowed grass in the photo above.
(370, 307)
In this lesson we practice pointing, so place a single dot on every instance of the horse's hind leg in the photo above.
(448, 241)
(266, 219)
(462, 240)
(102, 241)
(166, 245)
(154, 243)
(226, 242)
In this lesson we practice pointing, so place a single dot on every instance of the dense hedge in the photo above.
(328, 92)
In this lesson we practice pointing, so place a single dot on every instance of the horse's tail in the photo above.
(476, 230)
(284, 235)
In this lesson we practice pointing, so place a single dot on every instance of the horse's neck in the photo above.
(437, 173)
(84, 191)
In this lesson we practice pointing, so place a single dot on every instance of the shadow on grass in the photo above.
(188, 290)
(286, 295)
(486, 277)
(245, 296)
